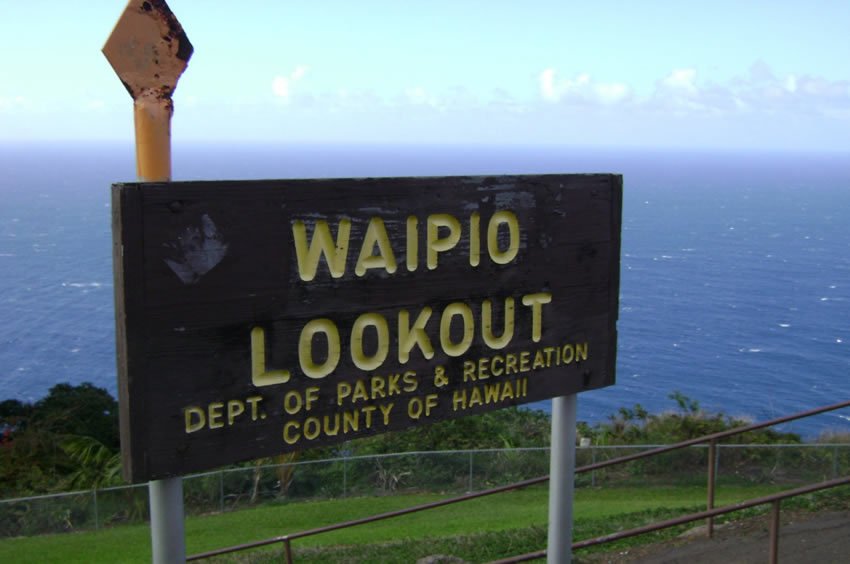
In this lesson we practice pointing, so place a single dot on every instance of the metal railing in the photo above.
(773, 539)
(711, 439)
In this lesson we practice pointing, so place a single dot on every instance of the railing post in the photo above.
(773, 558)
(712, 468)
(287, 550)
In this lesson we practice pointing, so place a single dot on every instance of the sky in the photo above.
(653, 73)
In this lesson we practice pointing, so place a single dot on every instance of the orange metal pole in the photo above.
(152, 117)
(149, 51)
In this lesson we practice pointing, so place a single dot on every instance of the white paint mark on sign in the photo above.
(197, 251)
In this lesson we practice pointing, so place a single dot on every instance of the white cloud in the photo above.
(418, 96)
(681, 80)
(682, 93)
(282, 84)
(581, 89)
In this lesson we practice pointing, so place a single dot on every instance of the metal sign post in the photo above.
(149, 51)
(562, 469)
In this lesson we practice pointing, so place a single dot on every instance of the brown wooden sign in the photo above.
(260, 317)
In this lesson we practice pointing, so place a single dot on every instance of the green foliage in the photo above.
(96, 465)
(689, 421)
(506, 428)
(68, 437)
(84, 410)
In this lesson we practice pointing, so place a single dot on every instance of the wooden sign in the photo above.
(260, 317)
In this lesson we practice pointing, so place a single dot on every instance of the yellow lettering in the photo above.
(437, 244)
(360, 392)
(452, 310)
(343, 390)
(322, 243)
(482, 368)
(491, 393)
(408, 336)
(568, 354)
(312, 396)
(507, 391)
(312, 428)
(491, 340)
(501, 362)
(259, 375)
(385, 411)
(254, 401)
(289, 438)
(378, 387)
(523, 361)
(538, 361)
(368, 410)
(305, 348)
(548, 351)
(412, 243)
(235, 408)
(431, 401)
(510, 364)
(331, 431)
(503, 217)
(474, 397)
(351, 420)
(459, 400)
(415, 408)
(535, 302)
(411, 382)
(468, 371)
(581, 351)
(376, 234)
(474, 239)
(360, 359)
(215, 415)
(393, 388)
(200, 419)
(292, 402)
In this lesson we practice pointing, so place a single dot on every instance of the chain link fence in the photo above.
(447, 472)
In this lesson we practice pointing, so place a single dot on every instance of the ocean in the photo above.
(735, 274)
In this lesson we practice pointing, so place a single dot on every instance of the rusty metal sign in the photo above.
(149, 51)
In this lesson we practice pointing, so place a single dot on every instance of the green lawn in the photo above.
(516, 510)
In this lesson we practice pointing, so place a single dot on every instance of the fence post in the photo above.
(96, 514)
(834, 462)
(469, 483)
(712, 469)
(221, 491)
(593, 461)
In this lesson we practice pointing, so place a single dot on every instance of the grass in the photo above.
(512, 522)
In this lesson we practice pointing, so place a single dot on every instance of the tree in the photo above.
(83, 410)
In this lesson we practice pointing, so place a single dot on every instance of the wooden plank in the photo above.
(209, 272)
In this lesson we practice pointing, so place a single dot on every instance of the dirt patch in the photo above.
(804, 537)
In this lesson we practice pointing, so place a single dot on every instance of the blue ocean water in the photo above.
(735, 285)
